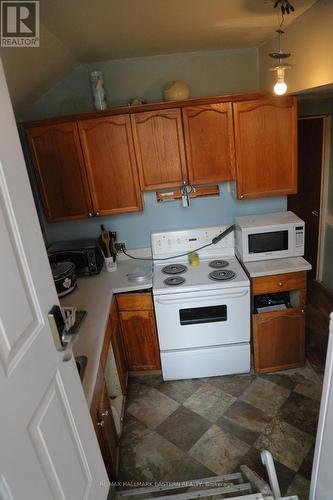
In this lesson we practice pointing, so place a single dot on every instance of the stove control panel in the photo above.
(168, 243)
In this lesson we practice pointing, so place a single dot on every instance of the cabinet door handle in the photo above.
(105, 413)
(90, 214)
(280, 283)
(97, 213)
(100, 423)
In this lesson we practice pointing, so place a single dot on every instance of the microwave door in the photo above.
(268, 243)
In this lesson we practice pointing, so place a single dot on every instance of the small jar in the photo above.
(97, 88)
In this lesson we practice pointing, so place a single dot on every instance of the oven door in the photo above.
(203, 319)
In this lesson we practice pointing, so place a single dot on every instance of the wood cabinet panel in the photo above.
(159, 146)
(278, 340)
(57, 158)
(135, 301)
(118, 347)
(209, 142)
(266, 147)
(111, 165)
(140, 340)
(279, 283)
(102, 419)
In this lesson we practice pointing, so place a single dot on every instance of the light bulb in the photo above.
(280, 88)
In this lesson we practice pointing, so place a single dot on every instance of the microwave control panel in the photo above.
(299, 236)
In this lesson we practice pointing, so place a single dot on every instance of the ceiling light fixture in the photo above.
(280, 68)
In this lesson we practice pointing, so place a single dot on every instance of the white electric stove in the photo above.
(202, 312)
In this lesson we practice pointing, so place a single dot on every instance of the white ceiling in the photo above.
(94, 30)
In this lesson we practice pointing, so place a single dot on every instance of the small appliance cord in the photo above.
(213, 242)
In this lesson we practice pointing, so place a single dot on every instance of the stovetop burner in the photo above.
(174, 269)
(218, 264)
(174, 280)
(222, 275)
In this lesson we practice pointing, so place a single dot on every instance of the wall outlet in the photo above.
(120, 246)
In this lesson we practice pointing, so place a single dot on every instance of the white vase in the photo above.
(97, 88)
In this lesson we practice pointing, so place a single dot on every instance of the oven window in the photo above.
(210, 314)
(268, 242)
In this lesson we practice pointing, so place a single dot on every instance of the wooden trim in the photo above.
(144, 107)
(176, 194)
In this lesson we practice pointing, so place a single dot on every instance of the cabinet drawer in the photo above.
(279, 283)
(135, 302)
(278, 340)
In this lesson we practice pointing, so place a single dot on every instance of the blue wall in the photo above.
(207, 73)
(135, 229)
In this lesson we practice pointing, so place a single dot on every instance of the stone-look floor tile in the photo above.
(305, 374)
(247, 416)
(301, 412)
(232, 384)
(306, 467)
(153, 459)
(280, 379)
(183, 428)
(187, 469)
(300, 487)
(217, 451)
(179, 390)
(287, 444)
(237, 431)
(152, 408)
(265, 395)
(209, 402)
(312, 391)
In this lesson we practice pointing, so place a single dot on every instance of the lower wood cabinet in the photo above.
(139, 333)
(279, 336)
(278, 339)
(102, 418)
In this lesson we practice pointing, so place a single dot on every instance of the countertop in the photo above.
(276, 266)
(94, 294)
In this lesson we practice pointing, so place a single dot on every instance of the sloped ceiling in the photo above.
(111, 29)
(80, 31)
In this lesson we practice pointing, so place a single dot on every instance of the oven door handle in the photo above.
(224, 296)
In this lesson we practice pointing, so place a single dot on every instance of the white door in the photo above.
(322, 479)
(48, 448)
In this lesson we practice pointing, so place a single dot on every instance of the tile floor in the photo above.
(189, 429)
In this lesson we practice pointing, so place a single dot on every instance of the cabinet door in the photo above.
(159, 146)
(266, 147)
(111, 166)
(102, 418)
(118, 347)
(58, 162)
(278, 340)
(140, 340)
(209, 142)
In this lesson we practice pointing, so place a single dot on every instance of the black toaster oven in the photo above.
(85, 254)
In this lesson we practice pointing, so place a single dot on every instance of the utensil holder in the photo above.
(110, 264)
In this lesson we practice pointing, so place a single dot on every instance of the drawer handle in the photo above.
(280, 283)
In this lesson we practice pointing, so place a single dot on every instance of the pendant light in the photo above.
(281, 67)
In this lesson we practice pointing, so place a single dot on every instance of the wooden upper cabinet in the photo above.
(159, 146)
(266, 147)
(111, 165)
(209, 142)
(60, 172)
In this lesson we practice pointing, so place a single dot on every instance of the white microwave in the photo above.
(269, 236)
